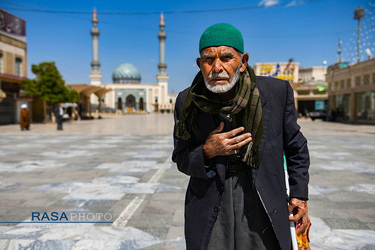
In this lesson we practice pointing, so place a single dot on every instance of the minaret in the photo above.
(162, 76)
(95, 75)
(162, 36)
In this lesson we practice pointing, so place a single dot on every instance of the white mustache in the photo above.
(218, 75)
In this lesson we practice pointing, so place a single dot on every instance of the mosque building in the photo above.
(126, 94)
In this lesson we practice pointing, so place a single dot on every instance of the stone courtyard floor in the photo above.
(114, 183)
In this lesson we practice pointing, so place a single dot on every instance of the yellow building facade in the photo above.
(351, 90)
(13, 66)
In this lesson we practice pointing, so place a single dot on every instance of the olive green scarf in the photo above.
(245, 109)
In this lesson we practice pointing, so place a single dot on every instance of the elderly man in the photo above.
(230, 133)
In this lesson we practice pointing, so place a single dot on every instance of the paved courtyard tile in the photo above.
(122, 184)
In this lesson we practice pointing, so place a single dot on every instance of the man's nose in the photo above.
(217, 66)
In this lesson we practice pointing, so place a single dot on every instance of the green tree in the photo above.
(49, 85)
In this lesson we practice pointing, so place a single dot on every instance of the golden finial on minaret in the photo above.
(94, 16)
(162, 23)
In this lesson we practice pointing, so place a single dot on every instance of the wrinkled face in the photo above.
(220, 64)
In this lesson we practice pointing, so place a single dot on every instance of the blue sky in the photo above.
(307, 31)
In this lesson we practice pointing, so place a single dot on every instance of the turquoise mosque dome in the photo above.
(126, 73)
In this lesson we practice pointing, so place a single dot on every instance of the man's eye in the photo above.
(227, 58)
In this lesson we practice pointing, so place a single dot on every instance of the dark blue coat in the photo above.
(281, 133)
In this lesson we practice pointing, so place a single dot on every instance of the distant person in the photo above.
(59, 116)
(77, 116)
(25, 118)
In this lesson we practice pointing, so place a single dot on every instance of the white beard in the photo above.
(218, 89)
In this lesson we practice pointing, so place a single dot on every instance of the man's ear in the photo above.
(198, 61)
(245, 59)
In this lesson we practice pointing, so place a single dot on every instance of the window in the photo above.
(366, 80)
(358, 81)
(342, 106)
(342, 84)
(364, 107)
(373, 78)
(348, 83)
(303, 92)
(337, 85)
(17, 68)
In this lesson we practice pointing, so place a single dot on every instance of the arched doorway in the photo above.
(156, 105)
(119, 103)
(130, 103)
(141, 104)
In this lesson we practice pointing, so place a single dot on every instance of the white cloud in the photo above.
(269, 3)
(292, 3)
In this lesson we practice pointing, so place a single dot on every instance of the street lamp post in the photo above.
(358, 14)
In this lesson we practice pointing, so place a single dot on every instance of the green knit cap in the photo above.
(221, 34)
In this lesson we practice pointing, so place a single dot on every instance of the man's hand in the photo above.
(226, 143)
(298, 210)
